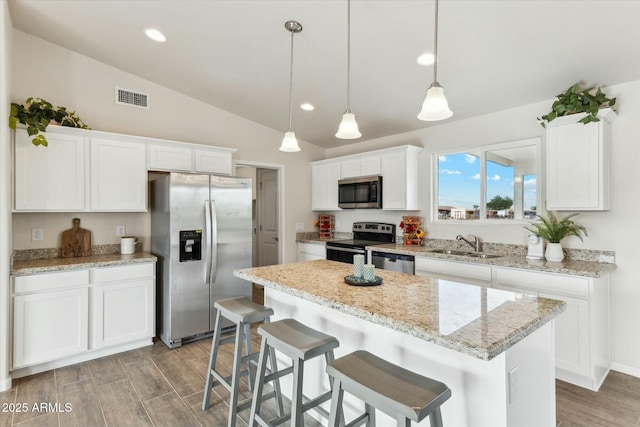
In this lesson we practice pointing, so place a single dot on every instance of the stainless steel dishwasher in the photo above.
(393, 262)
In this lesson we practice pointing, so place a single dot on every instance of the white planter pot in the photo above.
(554, 252)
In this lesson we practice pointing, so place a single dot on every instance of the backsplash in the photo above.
(32, 254)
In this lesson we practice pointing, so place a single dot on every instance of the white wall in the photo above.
(87, 86)
(5, 195)
(617, 229)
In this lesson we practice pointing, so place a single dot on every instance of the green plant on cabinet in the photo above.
(577, 100)
(37, 114)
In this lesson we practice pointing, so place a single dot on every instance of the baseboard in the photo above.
(625, 369)
(5, 384)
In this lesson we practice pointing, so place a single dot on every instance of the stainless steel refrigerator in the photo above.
(200, 232)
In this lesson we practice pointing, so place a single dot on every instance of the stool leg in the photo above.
(235, 375)
(329, 357)
(247, 341)
(276, 382)
(403, 421)
(212, 362)
(257, 390)
(336, 413)
(435, 418)
(296, 398)
(371, 412)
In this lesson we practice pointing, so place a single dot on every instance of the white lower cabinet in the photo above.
(49, 325)
(122, 305)
(62, 318)
(311, 251)
(581, 331)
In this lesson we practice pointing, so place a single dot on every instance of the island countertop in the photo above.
(477, 321)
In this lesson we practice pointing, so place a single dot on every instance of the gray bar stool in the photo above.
(243, 313)
(300, 343)
(395, 391)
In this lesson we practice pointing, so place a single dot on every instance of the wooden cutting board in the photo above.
(76, 241)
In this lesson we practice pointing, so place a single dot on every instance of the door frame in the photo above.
(279, 168)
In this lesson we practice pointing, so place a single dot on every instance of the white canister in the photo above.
(358, 263)
(128, 245)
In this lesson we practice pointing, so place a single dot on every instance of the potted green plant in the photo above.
(37, 114)
(577, 100)
(554, 230)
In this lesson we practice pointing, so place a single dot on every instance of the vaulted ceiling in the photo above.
(234, 54)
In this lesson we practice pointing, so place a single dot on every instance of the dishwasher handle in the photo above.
(393, 257)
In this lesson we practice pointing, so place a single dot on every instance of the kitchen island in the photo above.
(493, 348)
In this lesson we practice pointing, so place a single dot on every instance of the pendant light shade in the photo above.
(348, 128)
(289, 142)
(435, 105)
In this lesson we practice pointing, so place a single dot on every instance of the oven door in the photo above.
(340, 254)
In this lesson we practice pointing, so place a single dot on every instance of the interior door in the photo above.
(269, 246)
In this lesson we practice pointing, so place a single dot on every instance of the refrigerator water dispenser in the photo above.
(190, 245)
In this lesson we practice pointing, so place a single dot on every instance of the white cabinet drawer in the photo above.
(453, 268)
(50, 281)
(126, 272)
(544, 282)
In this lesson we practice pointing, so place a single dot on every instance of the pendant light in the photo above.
(290, 143)
(435, 105)
(348, 128)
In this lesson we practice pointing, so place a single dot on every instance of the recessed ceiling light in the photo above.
(425, 59)
(155, 35)
(307, 107)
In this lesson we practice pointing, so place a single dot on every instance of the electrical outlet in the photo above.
(37, 234)
(121, 230)
(299, 226)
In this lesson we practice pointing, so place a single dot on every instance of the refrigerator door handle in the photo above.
(207, 245)
(214, 241)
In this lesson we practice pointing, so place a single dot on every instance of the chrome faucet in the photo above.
(476, 242)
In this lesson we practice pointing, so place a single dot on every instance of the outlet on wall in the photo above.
(121, 230)
(37, 234)
(299, 226)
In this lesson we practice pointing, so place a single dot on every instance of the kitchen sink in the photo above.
(450, 252)
(465, 253)
(483, 255)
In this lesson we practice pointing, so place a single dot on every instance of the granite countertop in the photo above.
(571, 267)
(44, 265)
(477, 321)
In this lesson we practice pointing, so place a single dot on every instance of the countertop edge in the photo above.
(48, 265)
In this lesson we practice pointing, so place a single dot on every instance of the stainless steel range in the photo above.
(364, 234)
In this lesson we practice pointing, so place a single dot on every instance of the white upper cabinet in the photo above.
(118, 175)
(185, 157)
(578, 163)
(50, 178)
(92, 171)
(360, 166)
(324, 186)
(401, 179)
(398, 166)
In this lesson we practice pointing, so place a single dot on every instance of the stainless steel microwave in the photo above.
(362, 192)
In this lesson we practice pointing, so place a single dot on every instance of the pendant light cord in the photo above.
(348, 56)
(290, 80)
(435, 47)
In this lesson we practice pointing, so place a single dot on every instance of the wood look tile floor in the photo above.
(156, 386)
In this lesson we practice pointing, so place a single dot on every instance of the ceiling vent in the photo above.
(131, 98)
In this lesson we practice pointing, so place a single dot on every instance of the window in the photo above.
(497, 182)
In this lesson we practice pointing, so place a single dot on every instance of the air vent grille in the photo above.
(131, 98)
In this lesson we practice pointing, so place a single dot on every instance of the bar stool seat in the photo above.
(300, 343)
(396, 391)
(243, 312)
